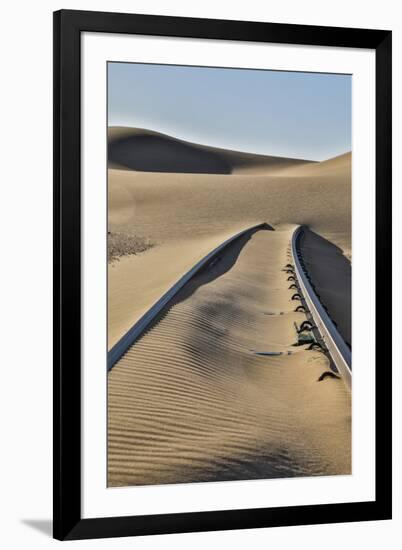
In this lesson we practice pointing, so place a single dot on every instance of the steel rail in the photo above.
(337, 348)
(130, 337)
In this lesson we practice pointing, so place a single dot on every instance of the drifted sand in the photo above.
(190, 402)
(330, 273)
(187, 215)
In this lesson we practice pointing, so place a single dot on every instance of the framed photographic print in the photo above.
(214, 183)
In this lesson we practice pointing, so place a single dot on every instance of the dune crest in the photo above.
(147, 151)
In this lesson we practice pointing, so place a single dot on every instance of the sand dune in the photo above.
(191, 402)
(339, 166)
(186, 215)
(147, 151)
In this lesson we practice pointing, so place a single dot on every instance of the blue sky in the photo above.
(290, 114)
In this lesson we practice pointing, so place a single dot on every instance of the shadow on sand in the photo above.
(331, 274)
(148, 153)
(217, 267)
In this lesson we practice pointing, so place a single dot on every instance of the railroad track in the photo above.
(329, 335)
(333, 341)
(136, 331)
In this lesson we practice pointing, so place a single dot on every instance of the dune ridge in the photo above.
(148, 151)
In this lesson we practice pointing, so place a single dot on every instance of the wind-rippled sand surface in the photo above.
(185, 216)
(191, 402)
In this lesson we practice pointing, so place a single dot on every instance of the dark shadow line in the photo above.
(217, 267)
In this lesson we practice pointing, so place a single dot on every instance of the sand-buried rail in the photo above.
(119, 349)
(338, 349)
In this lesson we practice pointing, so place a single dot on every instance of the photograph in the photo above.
(229, 262)
(198, 227)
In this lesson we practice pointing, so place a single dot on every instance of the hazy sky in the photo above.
(301, 115)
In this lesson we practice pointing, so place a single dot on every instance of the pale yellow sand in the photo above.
(190, 401)
(137, 282)
(186, 215)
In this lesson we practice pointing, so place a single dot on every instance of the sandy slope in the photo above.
(145, 150)
(191, 402)
(186, 215)
(137, 282)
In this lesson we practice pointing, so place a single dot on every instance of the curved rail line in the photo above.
(120, 348)
(337, 348)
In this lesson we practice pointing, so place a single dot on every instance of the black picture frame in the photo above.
(68, 26)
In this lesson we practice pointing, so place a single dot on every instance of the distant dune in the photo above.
(336, 166)
(148, 151)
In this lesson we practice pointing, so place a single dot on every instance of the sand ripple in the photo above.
(190, 401)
